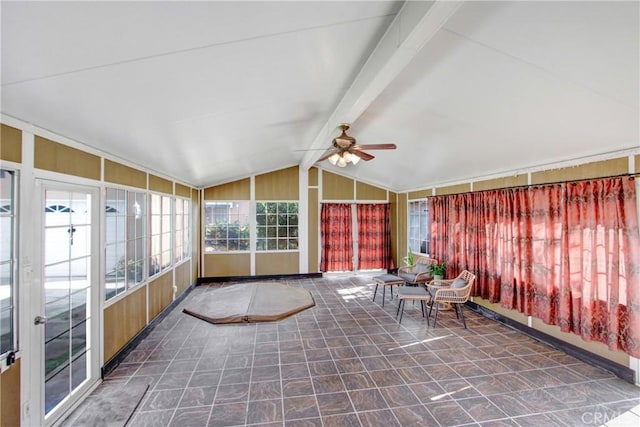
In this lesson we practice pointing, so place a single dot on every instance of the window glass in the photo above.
(136, 236)
(8, 292)
(226, 226)
(276, 226)
(115, 241)
(160, 214)
(182, 229)
(419, 226)
(125, 235)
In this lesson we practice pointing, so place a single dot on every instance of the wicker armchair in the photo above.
(455, 292)
(419, 273)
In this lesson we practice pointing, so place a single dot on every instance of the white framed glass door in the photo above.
(67, 326)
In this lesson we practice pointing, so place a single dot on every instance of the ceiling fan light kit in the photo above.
(346, 151)
(341, 160)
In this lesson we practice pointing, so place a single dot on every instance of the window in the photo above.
(183, 229)
(419, 226)
(277, 226)
(8, 294)
(160, 254)
(115, 241)
(125, 235)
(136, 236)
(226, 226)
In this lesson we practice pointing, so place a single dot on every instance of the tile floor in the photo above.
(347, 362)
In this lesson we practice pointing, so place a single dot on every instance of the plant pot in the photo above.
(438, 277)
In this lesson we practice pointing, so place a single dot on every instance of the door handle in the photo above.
(39, 320)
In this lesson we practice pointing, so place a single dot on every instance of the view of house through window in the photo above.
(419, 226)
(226, 226)
(7, 262)
(277, 226)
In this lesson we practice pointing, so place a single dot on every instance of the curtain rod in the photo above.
(629, 175)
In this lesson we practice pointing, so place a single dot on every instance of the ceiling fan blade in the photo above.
(314, 149)
(326, 156)
(362, 154)
(376, 147)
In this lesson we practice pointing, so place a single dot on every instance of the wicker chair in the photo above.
(419, 273)
(455, 292)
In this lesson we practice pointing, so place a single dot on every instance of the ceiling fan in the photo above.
(345, 150)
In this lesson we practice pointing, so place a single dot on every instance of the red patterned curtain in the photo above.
(596, 262)
(335, 235)
(374, 236)
(515, 251)
(464, 234)
(568, 254)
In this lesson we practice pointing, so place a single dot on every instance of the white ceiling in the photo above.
(207, 92)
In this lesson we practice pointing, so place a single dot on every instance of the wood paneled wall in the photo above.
(160, 294)
(197, 232)
(237, 190)
(277, 263)
(420, 194)
(123, 320)
(336, 187)
(223, 265)
(313, 177)
(125, 175)
(506, 182)
(10, 396)
(183, 191)
(594, 347)
(313, 218)
(369, 192)
(10, 144)
(599, 169)
(453, 189)
(279, 185)
(393, 202)
(402, 227)
(160, 185)
(56, 157)
(183, 277)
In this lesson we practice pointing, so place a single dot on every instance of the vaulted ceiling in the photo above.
(207, 92)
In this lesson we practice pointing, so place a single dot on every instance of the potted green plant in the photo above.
(410, 260)
(439, 269)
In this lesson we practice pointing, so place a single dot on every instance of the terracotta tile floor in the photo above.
(347, 362)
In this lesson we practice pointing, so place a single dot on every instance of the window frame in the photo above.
(425, 236)
(245, 242)
(277, 226)
(118, 240)
(13, 263)
(182, 246)
(130, 235)
(162, 234)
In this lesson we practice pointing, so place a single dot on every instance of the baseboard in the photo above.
(112, 363)
(220, 279)
(620, 371)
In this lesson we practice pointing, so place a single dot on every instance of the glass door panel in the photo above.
(67, 296)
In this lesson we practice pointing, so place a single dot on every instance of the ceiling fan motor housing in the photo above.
(344, 141)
